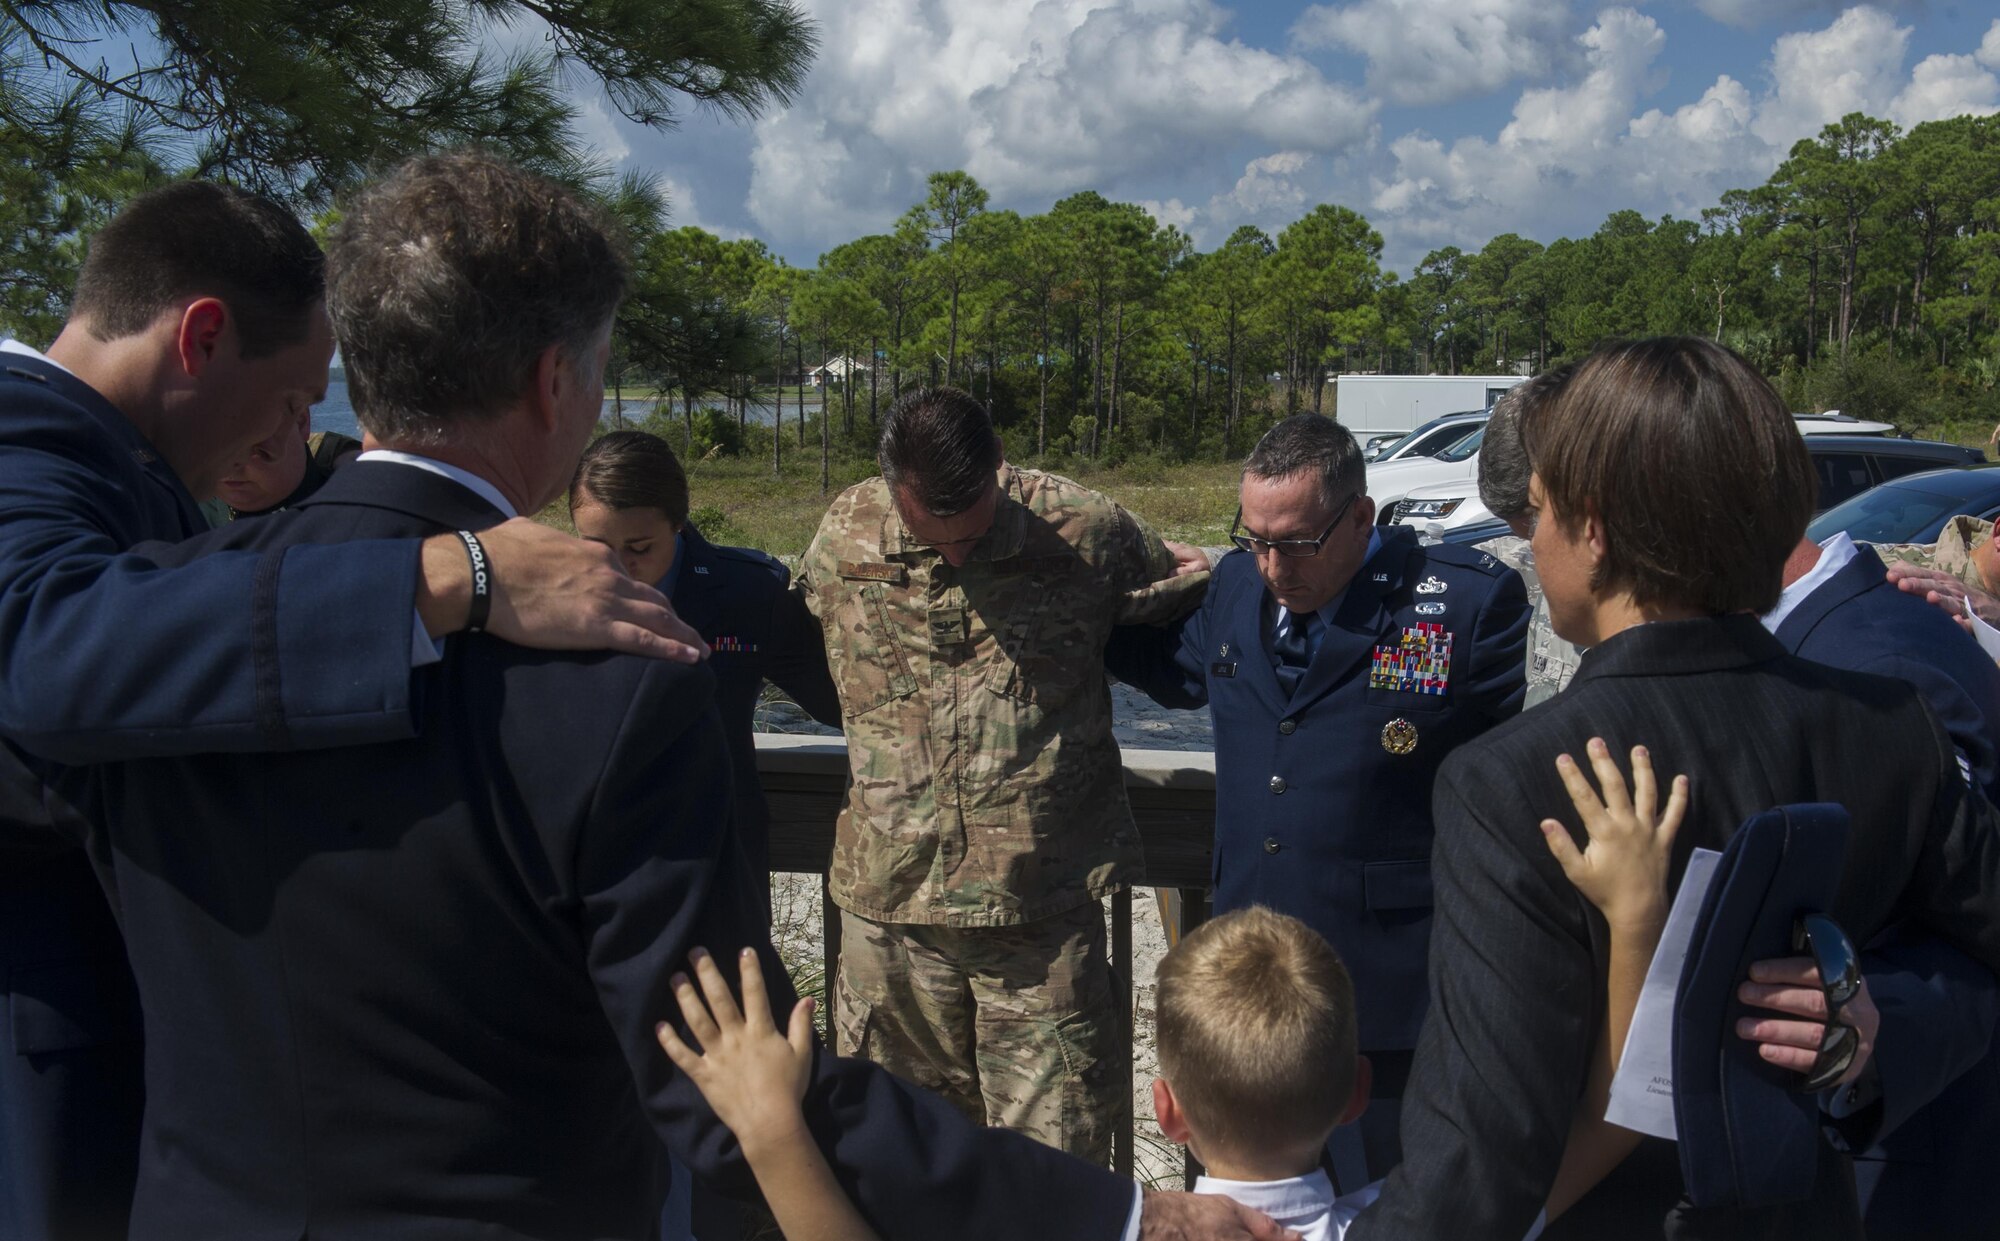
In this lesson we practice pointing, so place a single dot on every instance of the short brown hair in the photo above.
(1257, 1035)
(632, 469)
(939, 443)
(1693, 465)
(198, 239)
(448, 278)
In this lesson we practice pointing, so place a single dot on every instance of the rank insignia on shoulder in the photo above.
(1399, 736)
(1431, 586)
(1430, 609)
(731, 646)
(874, 571)
(1418, 662)
(1486, 560)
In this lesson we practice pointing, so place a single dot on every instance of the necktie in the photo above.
(1294, 650)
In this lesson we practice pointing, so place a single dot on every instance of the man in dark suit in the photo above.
(422, 1000)
(1341, 664)
(196, 325)
(1660, 577)
(1926, 1177)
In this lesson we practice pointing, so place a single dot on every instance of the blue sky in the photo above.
(1443, 121)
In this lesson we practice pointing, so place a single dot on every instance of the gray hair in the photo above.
(1315, 444)
(448, 278)
(1503, 455)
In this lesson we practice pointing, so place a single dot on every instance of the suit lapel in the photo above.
(1359, 622)
(696, 594)
(1857, 577)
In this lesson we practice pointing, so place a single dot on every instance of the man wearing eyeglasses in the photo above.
(966, 604)
(1340, 663)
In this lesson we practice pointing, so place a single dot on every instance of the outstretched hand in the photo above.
(753, 1076)
(1945, 592)
(552, 592)
(1204, 1217)
(1623, 868)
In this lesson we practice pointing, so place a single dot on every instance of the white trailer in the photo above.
(1371, 405)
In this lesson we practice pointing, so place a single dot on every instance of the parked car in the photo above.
(1426, 441)
(1833, 422)
(1850, 464)
(1847, 465)
(1458, 464)
(1913, 508)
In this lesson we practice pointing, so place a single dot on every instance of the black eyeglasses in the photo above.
(1840, 980)
(1287, 547)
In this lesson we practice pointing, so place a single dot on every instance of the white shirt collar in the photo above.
(1834, 555)
(1290, 1202)
(10, 345)
(470, 481)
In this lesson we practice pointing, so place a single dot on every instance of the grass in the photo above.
(737, 500)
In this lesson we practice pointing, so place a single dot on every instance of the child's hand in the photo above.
(753, 1076)
(1623, 871)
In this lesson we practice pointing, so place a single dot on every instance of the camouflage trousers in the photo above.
(1018, 1026)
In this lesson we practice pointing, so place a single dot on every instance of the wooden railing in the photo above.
(1173, 800)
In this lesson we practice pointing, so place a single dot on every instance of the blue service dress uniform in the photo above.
(1323, 796)
(741, 602)
(103, 657)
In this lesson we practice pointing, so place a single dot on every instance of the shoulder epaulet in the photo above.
(749, 555)
(1460, 556)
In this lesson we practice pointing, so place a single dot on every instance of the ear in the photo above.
(1357, 1102)
(1364, 510)
(198, 335)
(549, 385)
(1167, 1111)
(1593, 536)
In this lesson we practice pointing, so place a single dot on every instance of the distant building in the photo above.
(835, 370)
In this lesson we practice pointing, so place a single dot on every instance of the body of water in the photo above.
(335, 413)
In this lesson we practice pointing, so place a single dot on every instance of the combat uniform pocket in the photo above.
(1096, 1079)
(852, 1019)
(870, 664)
(1052, 634)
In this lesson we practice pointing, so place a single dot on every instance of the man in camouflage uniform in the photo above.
(1959, 573)
(966, 604)
(1503, 488)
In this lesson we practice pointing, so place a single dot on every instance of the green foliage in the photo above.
(299, 98)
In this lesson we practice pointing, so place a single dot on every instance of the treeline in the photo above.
(1861, 276)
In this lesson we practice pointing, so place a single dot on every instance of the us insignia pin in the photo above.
(1431, 586)
(1381, 577)
(1399, 736)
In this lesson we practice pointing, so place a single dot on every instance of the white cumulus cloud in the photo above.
(1573, 153)
(1033, 100)
(1435, 51)
(1854, 65)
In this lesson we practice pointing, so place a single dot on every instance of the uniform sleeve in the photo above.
(1496, 684)
(1515, 998)
(106, 655)
(1149, 593)
(796, 662)
(1962, 719)
(660, 874)
(1938, 1010)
